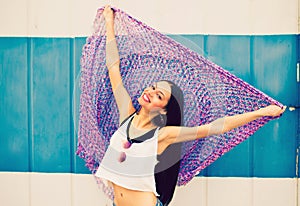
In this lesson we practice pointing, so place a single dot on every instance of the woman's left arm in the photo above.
(181, 134)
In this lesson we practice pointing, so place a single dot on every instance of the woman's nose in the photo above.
(152, 92)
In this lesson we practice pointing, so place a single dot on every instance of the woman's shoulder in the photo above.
(164, 133)
(123, 120)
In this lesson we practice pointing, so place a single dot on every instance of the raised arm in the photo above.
(121, 95)
(219, 126)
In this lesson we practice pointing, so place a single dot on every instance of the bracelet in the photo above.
(112, 53)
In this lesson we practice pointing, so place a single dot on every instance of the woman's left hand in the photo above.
(108, 14)
(272, 110)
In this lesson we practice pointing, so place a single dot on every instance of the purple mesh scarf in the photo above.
(148, 56)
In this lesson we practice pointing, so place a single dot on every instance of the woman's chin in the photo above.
(141, 101)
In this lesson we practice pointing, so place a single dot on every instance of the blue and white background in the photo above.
(40, 49)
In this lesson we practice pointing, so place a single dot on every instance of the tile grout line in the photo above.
(29, 112)
(72, 112)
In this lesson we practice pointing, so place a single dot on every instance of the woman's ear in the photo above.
(160, 120)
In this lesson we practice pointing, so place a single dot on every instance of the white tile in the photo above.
(226, 17)
(83, 16)
(274, 16)
(14, 189)
(69, 18)
(85, 191)
(298, 192)
(229, 191)
(13, 18)
(36, 189)
(194, 193)
(274, 191)
(49, 189)
(50, 18)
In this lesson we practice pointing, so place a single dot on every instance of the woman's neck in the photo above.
(143, 119)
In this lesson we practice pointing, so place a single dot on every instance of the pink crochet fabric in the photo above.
(147, 56)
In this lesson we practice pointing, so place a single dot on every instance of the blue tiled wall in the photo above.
(38, 77)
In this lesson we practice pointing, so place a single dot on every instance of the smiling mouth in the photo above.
(146, 98)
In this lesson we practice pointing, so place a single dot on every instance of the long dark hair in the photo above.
(166, 170)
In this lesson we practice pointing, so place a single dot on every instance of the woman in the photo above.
(142, 161)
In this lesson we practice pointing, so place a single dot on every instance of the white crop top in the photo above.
(133, 167)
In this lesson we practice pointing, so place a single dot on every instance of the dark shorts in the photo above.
(158, 203)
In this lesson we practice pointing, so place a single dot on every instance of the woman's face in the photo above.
(156, 97)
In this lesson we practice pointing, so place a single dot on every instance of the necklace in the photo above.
(139, 139)
(130, 141)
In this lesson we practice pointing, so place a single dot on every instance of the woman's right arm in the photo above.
(121, 95)
(173, 134)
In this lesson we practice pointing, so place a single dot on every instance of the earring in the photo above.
(160, 120)
(163, 119)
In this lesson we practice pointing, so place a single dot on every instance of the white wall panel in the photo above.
(274, 16)
(184, 197)
(298, 192)
(231, 191)
(13, 17)
(85, 191)
(14, 189)
(50, 18)
(36, 189)
(66, 18)
(274, 191)
(83, 15)
(50, 189)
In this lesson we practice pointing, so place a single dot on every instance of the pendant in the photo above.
(126, 145)
(122, 157)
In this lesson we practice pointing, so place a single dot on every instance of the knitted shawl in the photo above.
(147, 56)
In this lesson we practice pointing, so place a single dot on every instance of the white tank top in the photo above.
(133, 167)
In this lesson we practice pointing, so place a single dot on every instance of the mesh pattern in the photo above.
(148, 56)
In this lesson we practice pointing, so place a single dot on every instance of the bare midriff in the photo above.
(127, 197)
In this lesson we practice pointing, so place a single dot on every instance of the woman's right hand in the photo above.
(272, 111)
(108, 14)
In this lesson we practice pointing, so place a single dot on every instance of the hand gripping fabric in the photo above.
(147, 56)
